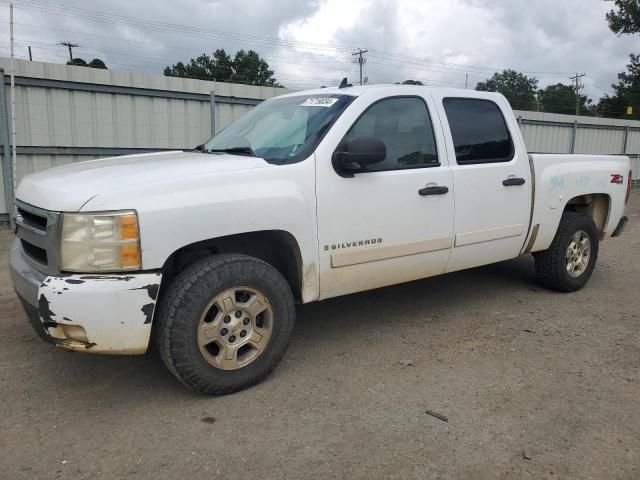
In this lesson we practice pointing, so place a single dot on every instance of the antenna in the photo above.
(344, 84)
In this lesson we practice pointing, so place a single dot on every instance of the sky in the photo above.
(309, 43)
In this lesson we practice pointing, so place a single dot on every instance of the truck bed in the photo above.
(587, 181)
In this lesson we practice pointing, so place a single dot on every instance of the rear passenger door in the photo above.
(491, 178)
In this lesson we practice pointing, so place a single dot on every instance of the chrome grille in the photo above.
(37, 230)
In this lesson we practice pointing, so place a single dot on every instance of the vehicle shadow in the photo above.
(417, 298)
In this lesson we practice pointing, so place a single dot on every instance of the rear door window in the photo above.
(479, 131)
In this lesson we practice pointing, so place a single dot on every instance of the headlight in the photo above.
(100, 242)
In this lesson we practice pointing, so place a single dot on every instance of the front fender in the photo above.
(185, 211)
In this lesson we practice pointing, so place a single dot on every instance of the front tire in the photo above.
(569, 261)
(225, 323)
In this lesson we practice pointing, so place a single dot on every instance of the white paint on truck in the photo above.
(350, 233)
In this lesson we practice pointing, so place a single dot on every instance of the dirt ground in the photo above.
(535, 384)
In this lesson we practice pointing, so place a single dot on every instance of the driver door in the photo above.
(386, 224)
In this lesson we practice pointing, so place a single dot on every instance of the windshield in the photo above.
(282, 130)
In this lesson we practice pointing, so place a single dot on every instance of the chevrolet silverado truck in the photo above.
(308, 196)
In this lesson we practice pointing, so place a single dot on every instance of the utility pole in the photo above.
(30, 56)
(577, 87)
(466, 80)
(70, 46)
(361, 60)
(13, 106)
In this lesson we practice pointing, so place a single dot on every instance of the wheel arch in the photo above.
(597, 206)
(278, 248)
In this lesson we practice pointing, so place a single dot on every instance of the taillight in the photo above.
(626, 199)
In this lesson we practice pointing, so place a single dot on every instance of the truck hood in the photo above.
(69, 187)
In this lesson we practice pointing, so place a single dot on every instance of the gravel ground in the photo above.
(535, 384)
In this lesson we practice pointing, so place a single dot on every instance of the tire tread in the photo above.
(550, 264)
(172, 338)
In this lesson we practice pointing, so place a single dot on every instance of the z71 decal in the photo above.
(617, 178)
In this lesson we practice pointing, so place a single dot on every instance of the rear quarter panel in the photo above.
(560, 178)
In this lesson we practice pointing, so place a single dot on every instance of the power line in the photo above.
(50, 46)
(103, 17)
(291, 81)
(70, 46)
(154, 66)
(271, 59)
(288, 79)
(391, 63)
(390, 58)
(457, 66)
(100, 51)
(98, 16)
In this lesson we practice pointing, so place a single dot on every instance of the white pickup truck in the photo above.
(308, 196)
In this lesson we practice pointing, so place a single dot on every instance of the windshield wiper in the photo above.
(234, 151)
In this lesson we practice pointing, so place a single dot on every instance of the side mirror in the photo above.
(354, 155)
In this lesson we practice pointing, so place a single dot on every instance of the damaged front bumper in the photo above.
(108, 314)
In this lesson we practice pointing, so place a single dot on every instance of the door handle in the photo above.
(513, 181)
(433, 191)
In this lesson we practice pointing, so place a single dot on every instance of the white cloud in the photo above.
(435, 41)
(548, 38)
(323, 25)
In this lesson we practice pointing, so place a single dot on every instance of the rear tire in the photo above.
(569, 261)
(224, 323)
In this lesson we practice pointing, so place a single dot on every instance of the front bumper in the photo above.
(91, 313)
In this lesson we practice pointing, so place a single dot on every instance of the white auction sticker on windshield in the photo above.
(319, 102)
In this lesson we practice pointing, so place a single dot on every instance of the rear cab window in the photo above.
(479, 131)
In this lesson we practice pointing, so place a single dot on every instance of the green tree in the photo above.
(625, 19)
(561, 98)
(626, 93)
(78, 62)
(412, 82)
(250, 68)
(519, 89)
(219, 67)
(95, 63)
(246, 67)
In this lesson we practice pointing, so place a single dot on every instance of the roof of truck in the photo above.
(357, 90)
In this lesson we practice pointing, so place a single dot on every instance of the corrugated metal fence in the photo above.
(67, 114)
(555, 133)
